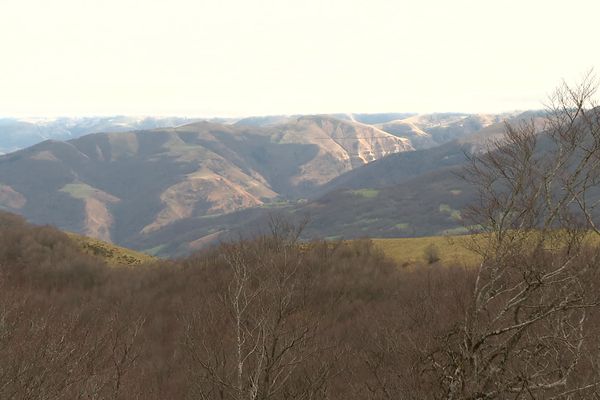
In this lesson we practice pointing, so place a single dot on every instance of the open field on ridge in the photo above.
(113, 255)
(452, 250)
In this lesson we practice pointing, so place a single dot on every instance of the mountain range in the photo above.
(172, 190)
(18, 133)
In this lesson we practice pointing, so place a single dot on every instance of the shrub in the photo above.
(432, 254)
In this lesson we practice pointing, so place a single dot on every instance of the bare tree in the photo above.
(258, 338)
(43, 352)
(526, 332)
(123, 348)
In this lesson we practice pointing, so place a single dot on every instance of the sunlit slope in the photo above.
(451, 250)
(113, 255)
(429, 130)
(457, 250)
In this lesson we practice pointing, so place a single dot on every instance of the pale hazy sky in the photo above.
(243, 57)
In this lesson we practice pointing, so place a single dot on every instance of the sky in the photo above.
(260, 57)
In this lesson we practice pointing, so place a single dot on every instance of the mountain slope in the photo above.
(398, 168)
(117, 186)
(111, 254)
(428, 204)
(401, 195)
(429, 130)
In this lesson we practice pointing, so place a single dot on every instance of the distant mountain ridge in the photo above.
(172, 190)
(430, 130)
(424, 130)
(18, 133)
(114, 186)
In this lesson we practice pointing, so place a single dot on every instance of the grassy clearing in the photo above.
(366, 193)
(403, 226)
(153, 251)
(451, 249)
(454, 214)
(113, 255)
(445, 208)
(275, 204)
(78, 190)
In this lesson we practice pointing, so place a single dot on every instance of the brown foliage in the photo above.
(268, 318)
(274, 318)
